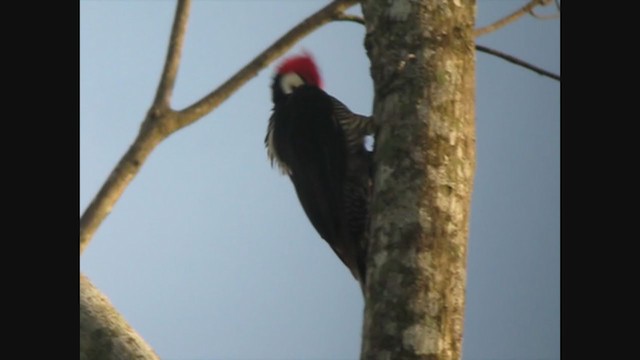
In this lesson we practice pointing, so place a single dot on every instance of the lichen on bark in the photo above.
(104, 333)
(422, 63)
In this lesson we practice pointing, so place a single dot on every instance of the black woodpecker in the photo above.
(320, 144)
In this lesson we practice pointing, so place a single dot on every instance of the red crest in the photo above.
(304, 66)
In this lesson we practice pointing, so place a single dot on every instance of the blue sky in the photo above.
(209, 255)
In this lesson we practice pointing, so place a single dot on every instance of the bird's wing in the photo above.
(317, 161)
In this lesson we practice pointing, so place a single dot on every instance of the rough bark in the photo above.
(423, 66)
(105, 334)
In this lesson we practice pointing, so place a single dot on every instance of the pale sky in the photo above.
(208, 253)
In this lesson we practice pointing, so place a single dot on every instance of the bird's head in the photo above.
(293, 72)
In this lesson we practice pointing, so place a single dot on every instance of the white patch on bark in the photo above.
(421, 338)
(436, 175)
(424, 260)
(425, 219)
(425, 55)
(451, 206)
(418, 157)
(452, 141)
(380, 258)
(452, 67)
(439, 127)
(399, 10)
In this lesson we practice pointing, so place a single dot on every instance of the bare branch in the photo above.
(544, 17)
(172, 62)
(104, 333)
(517, 61)
(118, 180)
(480, 48)
(347, 17)
(511, 18)
(151, 134)
(216, 97)
(161, 121)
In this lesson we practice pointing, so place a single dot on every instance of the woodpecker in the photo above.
(320, 144)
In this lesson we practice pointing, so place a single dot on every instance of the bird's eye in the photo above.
(289, 82)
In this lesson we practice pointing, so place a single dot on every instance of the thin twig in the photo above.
(174, 51)
(511, 18)
(480, 48)
(517, 62)
(348, 17)
(544, 17)
(160, 124)
(216, 97)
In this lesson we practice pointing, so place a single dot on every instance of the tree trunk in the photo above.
(423, 67)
